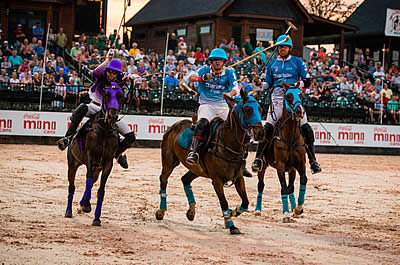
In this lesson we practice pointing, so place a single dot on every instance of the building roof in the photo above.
(165, 10)
(370, 16)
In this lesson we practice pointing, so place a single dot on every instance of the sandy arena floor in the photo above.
(351, 215)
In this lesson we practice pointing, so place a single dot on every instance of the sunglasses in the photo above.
(114, 72)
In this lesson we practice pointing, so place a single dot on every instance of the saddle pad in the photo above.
(185, 138)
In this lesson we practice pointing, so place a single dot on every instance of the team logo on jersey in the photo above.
(276, 68)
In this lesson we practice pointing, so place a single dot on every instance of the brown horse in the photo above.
(95, 146)
(286, 153)
(221, 160)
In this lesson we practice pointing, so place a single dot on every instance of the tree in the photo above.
(337, 10)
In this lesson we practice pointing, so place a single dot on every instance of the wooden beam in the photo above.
(341, 44)
(260, 17)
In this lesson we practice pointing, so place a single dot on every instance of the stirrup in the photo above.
(257, 165)
(63, 143)
(315, 168)
(192, 158)
(122, 160)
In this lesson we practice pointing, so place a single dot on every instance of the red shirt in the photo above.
(199, 56)
(19, 32)
(322, 55)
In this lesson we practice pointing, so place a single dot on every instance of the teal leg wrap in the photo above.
(285, 204)
(302, 194)
(292, 201)
(259, 201)
(228, 218)
(189, 194)
(239, 211)
(163, 196)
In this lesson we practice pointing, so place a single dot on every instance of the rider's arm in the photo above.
(233, 83)
(305, 75)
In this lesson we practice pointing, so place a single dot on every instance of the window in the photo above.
(181, 32)
(205, 29)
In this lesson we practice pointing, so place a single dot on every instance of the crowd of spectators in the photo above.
(364, 82)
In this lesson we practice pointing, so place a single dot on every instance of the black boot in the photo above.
(258, 162)
(76, 118)
(246, 173)
(308, 136)
(122, 147)
(198, 135)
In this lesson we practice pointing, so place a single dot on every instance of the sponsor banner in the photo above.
(30, 123)
(264, 34)
(392, 26)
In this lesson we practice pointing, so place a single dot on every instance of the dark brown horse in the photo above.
(286, 153)
(221, 160)
(95, 146)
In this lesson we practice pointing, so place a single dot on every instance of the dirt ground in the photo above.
(351, 215)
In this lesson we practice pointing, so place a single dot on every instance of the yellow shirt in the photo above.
(388, 93)
(133, 52)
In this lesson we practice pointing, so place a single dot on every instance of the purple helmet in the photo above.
(115, 64)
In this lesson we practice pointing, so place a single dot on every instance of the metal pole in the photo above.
(163, 82)
(44, 68)
(383, 65)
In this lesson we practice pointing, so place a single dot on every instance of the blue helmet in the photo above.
(218, 54)
(285, 43)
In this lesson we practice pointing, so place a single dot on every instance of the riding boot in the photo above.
(198, 135)
(308, 136)
(77, 115)
(246, 173)
(258, 162)
(123, 145)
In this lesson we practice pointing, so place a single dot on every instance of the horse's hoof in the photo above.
(87, 209)
(96, 223)
(257, 213)
(160, 214)
(298, 212)
(234, 230)
(286, 220)
(191, 212)
(68, 215)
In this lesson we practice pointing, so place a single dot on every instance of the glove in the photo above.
(207, 77)
(110, 54)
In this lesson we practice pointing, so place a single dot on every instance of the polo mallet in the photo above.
(183, 84)
(255, 54)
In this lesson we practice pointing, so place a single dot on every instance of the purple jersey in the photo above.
(97, 90)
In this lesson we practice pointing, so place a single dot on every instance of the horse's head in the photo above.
(249, 112)
(112, 102)
(294, 101)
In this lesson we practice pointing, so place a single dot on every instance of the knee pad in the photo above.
(79, 113)
(202, 127)
(307, 132)
(130, 138)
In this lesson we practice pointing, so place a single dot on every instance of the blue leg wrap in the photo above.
(163, 203)
(302, 194)
(228, 218)
(69, 205)
(259, 202)
(99, 204)
(189, 194)
(88, 190)
(292, 201)
(285, 203)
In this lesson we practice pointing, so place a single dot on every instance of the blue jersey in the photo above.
(289, 70)
(211, 91)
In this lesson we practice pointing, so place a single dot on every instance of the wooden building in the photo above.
(223, 19)
(75, 16)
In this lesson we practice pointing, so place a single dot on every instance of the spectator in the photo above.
(154, 68)
(93, 62)
(101, 39)
(352, 74)
(169, 67)
(74, 79)
(60, 74)
(247, 48)
(38, 67)
(393, 108)
(170, 55)
(181, 56)
(5, 64)
(134, 50)
(368, 56)
(123, 52)
(51, 41)
(379, 74)
(131, 67)
(14, 81)
(154, 59)
(232, 49)
(39, 49)
(26, 45)
(386, 90)
(395, 81)
(345, 86)
(335, 65)
(172, 43)
(63, 66)
(326, 97)
(25, 78)
(61, 41)
(371, 67)
(170, 80)
(207, 53)
(153, 83)
(182, 46)
(60, 94)
(37, 79)
(378, 85)
(52, 59)
(180, 66)
(315, 97)
(257, 60)
(199, 55)
(19, 36)
(38, 32)
(259, 48)
(192, 58)
(334, 55)
(49, 68)
(139, 56)
(342, 99)
(75, 50)
(358, 85)
(141, 69)
(3, 77)
(313, 55)
(112, 38)
(6, 50)
(237, 58)
(15, 59)
(224, 45)
(26, 54)
(322, 54)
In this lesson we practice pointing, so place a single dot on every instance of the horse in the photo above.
(286, 153)
(221, 159)
(95, 146)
